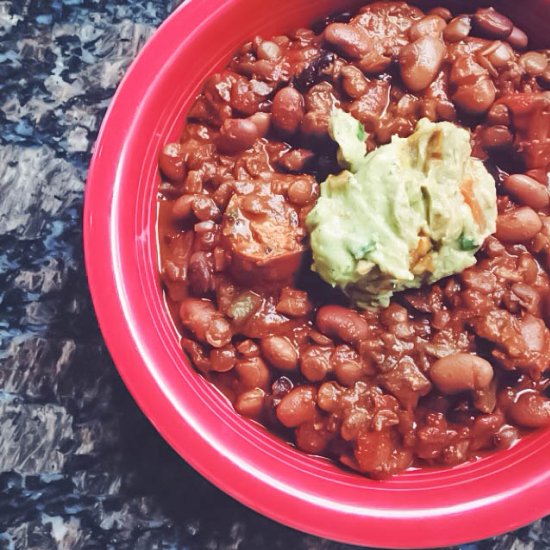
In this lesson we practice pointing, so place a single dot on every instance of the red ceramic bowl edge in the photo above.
(266, 495)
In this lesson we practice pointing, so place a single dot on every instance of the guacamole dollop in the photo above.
(409, 213)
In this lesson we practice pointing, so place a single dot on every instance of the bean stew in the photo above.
(446, 373)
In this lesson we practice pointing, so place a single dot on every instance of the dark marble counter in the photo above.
(80, 467)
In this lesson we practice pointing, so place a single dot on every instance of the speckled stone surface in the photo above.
(80, 467)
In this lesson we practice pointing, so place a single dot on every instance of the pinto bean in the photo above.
(315, 363)
(237, 135)
(199, 273)
(518, 39)
(223, 359)
(533, 63)
(312, 438)
(499, 114)
(527, 191)
(489, 23)
(431, 25)
(296, 160)
(347, 365)
(171, 162)
(297, 407)
(250, 403)
(328, 396)
(500, 54)
(351, 41)
(354, 82)
(496, 138)
(477, 97)
(420, 62)
(343, 323)
(280, 352)
(444, 13)
(183, 207)
(461, 372)
(518, 226)
(303, 191)
(458, 29)
(315, 124)
(268, 50)
(531, 410)
(287, 110)
(205, 322)
(253, 373)
(262, 122)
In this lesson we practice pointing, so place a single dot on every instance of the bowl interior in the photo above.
(416, 508)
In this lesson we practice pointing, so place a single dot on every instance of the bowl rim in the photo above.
(262, 491)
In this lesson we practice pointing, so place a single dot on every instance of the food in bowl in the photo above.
(381, 369)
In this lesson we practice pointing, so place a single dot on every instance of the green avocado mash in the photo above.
(408, 213)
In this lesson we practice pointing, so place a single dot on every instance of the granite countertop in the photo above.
(80, 466)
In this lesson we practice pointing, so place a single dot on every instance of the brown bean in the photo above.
(199, 273)
(262, 122)
(461, 372)
(304, 190)
(420, 62)
(500, 54)
(527, 191)
(475, 98)
(531, 410)
(193, 182)
(351, 41)
(171, 162)
(287, 110)
(341, 322)
(311, 438)
(183, 207)
(250, 403)
(237, 135)
(315, 363)
(354, 82)
(328, 396)
(505, 437)
(431, 25)
(496, 137)
(518, 39)
(374, 62)
(518, 226)
(248, 348)
(204, 208)
(489, 23)
(253, 373)
(297, 407)
(499, 114)
(444, 13)
(533, 63)
(205, 322)
(315, 124)
(458, 29)
(223, 359)
(279, 352)
(296, 160)
(528, 268)
(347, 365)
(268, 50)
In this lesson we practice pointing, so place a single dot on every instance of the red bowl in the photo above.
(422, 508)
